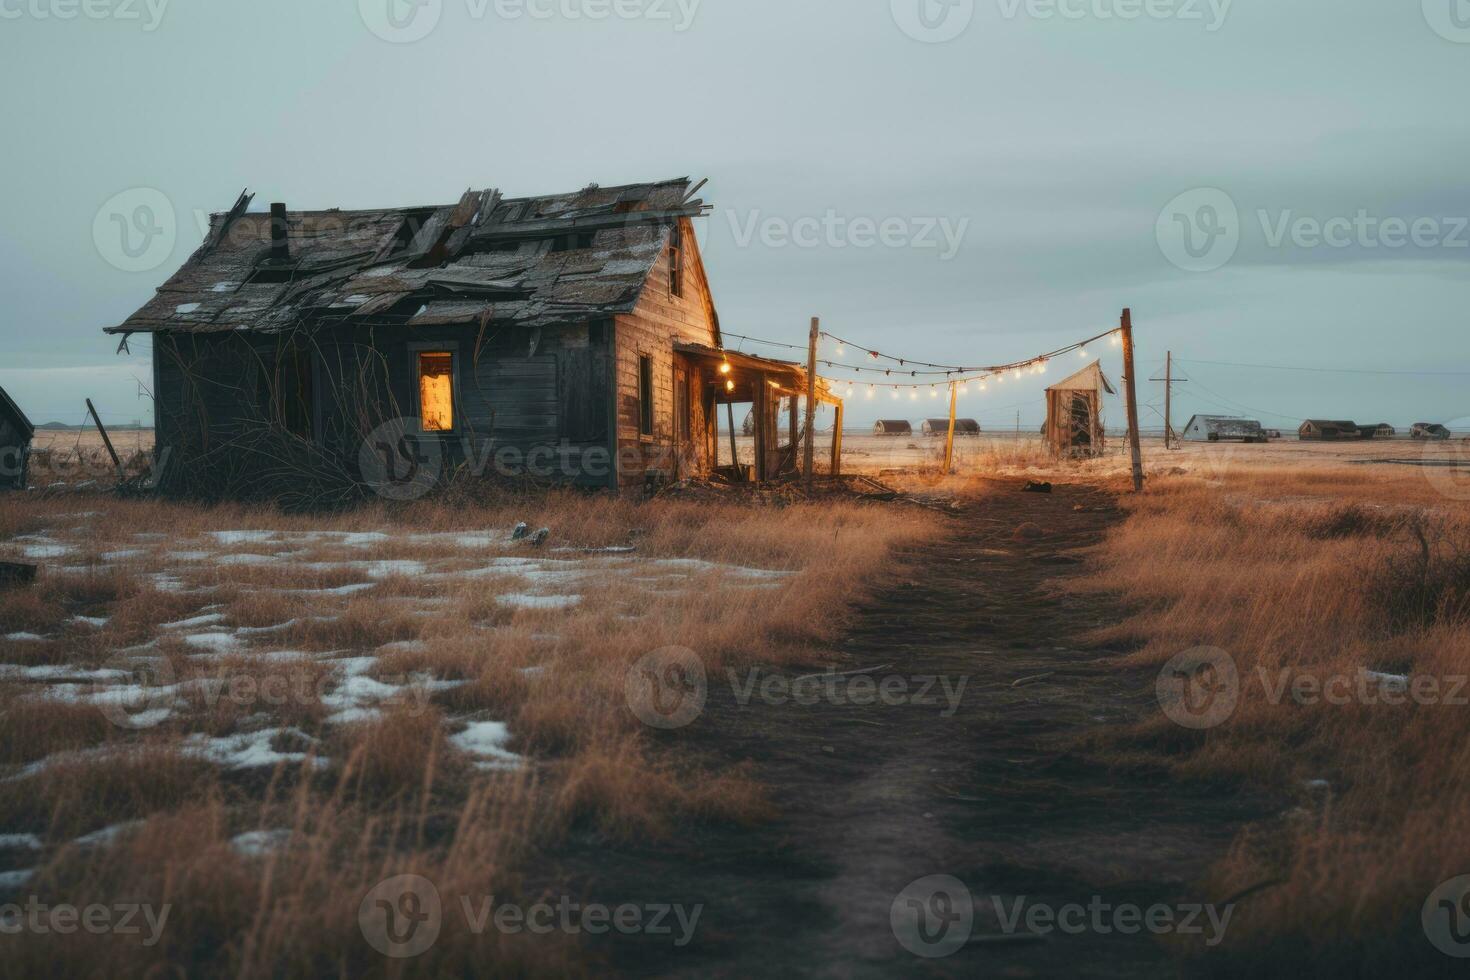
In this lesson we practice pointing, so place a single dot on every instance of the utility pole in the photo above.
(1170, 437)
(949, 439)
(1131, 389)
(1169, 400)
(811, 400)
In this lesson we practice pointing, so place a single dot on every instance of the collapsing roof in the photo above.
(10, 412)
(1224, 427)
(531, 261)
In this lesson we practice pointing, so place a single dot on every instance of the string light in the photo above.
(725, 368)
(729, 386)
(871, 391)
(1082, 352)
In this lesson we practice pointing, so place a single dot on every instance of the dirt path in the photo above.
(875, 796)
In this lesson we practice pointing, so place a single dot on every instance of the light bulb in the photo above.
(1082, 352)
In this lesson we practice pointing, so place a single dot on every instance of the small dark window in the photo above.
(645, 395)
(676, 261)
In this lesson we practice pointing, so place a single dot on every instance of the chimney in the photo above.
(280, 245)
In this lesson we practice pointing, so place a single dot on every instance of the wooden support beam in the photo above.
(734, 452)
(1130, 388)
(811, 399)
(954, 393)
(106, 440)
(837, 443)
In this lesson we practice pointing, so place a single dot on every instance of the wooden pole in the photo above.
(837, 443)
(1130, 388)
(117, 463)
(954, 393)
(811, 399)
(734, 452)
(1168, 403)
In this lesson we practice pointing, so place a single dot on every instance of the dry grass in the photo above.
(391, 792)
(1319, 574)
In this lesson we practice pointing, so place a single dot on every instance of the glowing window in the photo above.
(436, 391)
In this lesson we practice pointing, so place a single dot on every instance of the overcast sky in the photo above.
(1026, 159)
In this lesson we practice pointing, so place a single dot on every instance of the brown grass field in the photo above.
(253, 718)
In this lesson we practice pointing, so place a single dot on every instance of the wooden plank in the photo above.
(949, 437)
(106, 440)
(1133, 446)
(811, 398)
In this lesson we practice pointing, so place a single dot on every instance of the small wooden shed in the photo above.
(940, 427)
(1074, 425)
(16, 432)
(892, 427)
(1219, 428)
(1327, 430)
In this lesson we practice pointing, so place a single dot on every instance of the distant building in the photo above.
(15, 443)
(1429, 430)
(1327, 430)
(940, 427)
(893, 427)
(1220, 428)
(1380, 431)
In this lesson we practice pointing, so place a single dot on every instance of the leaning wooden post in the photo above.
(954, 392)
(837, 443)
(117, 463)
(735, 469)
(1131, 391)
(811, 399)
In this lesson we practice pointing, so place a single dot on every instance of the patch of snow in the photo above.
(242, 537)
(46, 550)
(352, 589)
(190, 555)
(519, 601)
(246, 559)
(107, 835)
(23, 637)
(206, 620)
(354, 716)
(404, 646)
(15, 879)
(125, 554)
(251, 750)
(214, 642)
(487, 740)
(259, 843)
(96, 622)
(383, 569)
(20, 842)
(58, 672)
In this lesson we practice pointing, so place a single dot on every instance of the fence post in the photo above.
(811, 400)
(954, 392)
(1131, 390)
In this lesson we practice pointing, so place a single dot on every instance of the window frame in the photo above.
(415, 350)
(646, 421)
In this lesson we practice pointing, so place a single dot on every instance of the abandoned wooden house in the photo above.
(573, 335)
(1327, 430)
(1429, 430)
(1222, 428)
(940, 427)
(892, 427)
(1074, 425)
(16, 432)
(1382, 430)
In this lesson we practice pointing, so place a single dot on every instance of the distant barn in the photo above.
(15, 443)
(1220, 428)
(893, 427)
(1327, 430)
(1429, 430)
(940, 427)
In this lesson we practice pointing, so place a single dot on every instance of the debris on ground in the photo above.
(539, 538)
(1027, 531)
(784, 492)
(1036, 486)
(16, 573)
(522, 529)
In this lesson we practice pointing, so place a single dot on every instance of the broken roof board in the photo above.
(483, 256)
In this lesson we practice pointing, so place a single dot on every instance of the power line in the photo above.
(1314, 370)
